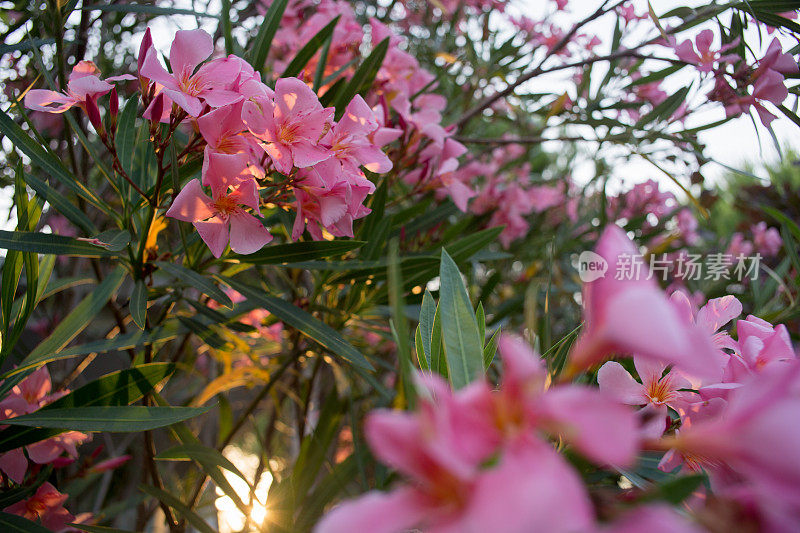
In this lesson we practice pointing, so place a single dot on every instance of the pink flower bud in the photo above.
(93, 112)
(111, 464)
(147, 43)
(113, 104)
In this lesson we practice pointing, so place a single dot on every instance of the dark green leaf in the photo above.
(197, 281)
(115, 419)
(303, 322)
(307, 52)
(11, 523)
(48, 243)
(260, 46)
(74, 323)
(138, 304)
(299, 251)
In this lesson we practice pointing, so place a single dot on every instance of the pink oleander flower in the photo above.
(443, 448)
(767, 241)
(711, 317)
(290, 126)
(656, 392)
(652, 518)
(84, 84)
(704, 57)
(46, 505)
(225, 132)
(187, 88)
(591, 420)
(222, 218)
(325, 201)
(632, 315)
(760, 346)
(350, 143)
(750, 443)
(739, 246)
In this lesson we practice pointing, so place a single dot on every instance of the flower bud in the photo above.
(147, 43)
(113, 109)
(93, 112)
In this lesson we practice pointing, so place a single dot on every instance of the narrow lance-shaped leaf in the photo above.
(74, 322)
(462, 344)
(48, 243)
(198, 281)
(362, 78)
(114, 419)
(181, 508)
(118, 388)
(303, 322)
(307, 52)
(400, 324)
(261, 44)
(138, 304)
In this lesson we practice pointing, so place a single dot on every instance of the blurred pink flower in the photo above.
(634, 316)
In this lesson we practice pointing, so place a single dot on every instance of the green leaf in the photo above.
(462, 344)
(197, 281)
(179, 507)
(676, 490)
(427, 315)
(307, 52)
(211, 461)
(125, 341)
(61, 204)
(116, 389)
(100, 529)
(315, 446)
(48, 243)
(785, 220)
(259, 49)
(114, 419)
(201, 454)
(480, 317)
(74, 323)
(400, 323)
(138, 304)
(303, 322)
(11, 523)
(438, 361)
(665, 109)
(362, 78)
(298, 251)
(225, 26)
(126, 134)
(490, 349)
(50, 164)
